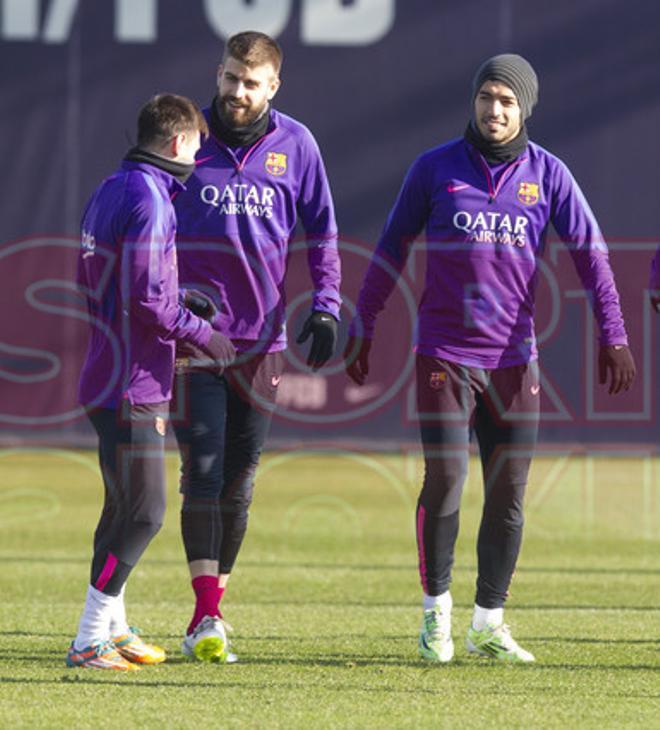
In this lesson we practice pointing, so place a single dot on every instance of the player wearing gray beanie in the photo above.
(514, 71)
(485, 202)
(516, 74)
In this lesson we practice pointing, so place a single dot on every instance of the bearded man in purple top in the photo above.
(256, 176)
(485, 202)
(127, 270)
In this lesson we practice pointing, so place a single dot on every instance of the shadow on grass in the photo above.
(486, 664)
(338, 637)
(456, 569)
(33, 635)
(402, 637)
(289, 636)
(76, 680)
(579, 640)
(457, 604)
(347, 662)
(35, 656)
(283, 565)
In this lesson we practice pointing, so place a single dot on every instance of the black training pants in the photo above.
(502, 406)
(221, 423)
(131, 450)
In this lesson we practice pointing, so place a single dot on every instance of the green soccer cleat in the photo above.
(435, 642)
(209, 643)
(497, 642)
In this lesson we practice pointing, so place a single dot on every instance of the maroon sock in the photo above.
(207, 595)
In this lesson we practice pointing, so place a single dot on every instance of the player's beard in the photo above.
(243, 116)
(503, 133)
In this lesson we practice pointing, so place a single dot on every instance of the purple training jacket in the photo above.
(236, 221)
(127, 268)
(485, 233)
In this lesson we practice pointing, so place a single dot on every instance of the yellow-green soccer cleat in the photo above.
(496, 642)
(101, 655)
(208, 642)
(435, 642)
(134, 649)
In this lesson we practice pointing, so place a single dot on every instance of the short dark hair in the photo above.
(254, 49)
(166, 115)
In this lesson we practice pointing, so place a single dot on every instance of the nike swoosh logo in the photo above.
(361, 393)
(535, 389)
(275, 380)
(456, 188)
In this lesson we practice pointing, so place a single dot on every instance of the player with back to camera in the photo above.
(485, 201)
(258, 173)
(128, 271)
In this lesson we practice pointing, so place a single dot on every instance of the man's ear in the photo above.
(175, 143)
(273, 88)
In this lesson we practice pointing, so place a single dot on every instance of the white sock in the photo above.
(483, 617)
(118, 621)
(94, 623)
(443, 602)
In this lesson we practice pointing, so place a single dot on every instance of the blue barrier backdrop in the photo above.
(378, 82)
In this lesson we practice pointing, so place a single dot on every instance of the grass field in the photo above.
(325, 603)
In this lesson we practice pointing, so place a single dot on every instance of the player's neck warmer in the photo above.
(238, 136)
(495, 152)
(180, 170)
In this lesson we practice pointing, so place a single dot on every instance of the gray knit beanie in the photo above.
(516, 73)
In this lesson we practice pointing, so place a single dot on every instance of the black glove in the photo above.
(323, 328)
(200, 304)
(216, 355)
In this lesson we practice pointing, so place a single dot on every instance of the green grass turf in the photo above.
(326, 605)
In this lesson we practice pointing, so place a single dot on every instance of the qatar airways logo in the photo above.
(239, 199)
(493, 227)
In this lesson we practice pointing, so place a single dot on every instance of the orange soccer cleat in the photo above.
(101, 655)
(135, 650)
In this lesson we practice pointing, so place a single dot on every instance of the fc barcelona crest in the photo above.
(276, 163)
(437, 380)
(528, 193)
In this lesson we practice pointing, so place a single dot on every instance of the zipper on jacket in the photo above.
(228, 150)
(506, 174)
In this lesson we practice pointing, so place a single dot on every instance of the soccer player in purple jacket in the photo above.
(127, 269)
(257, 174)
(484, 202)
